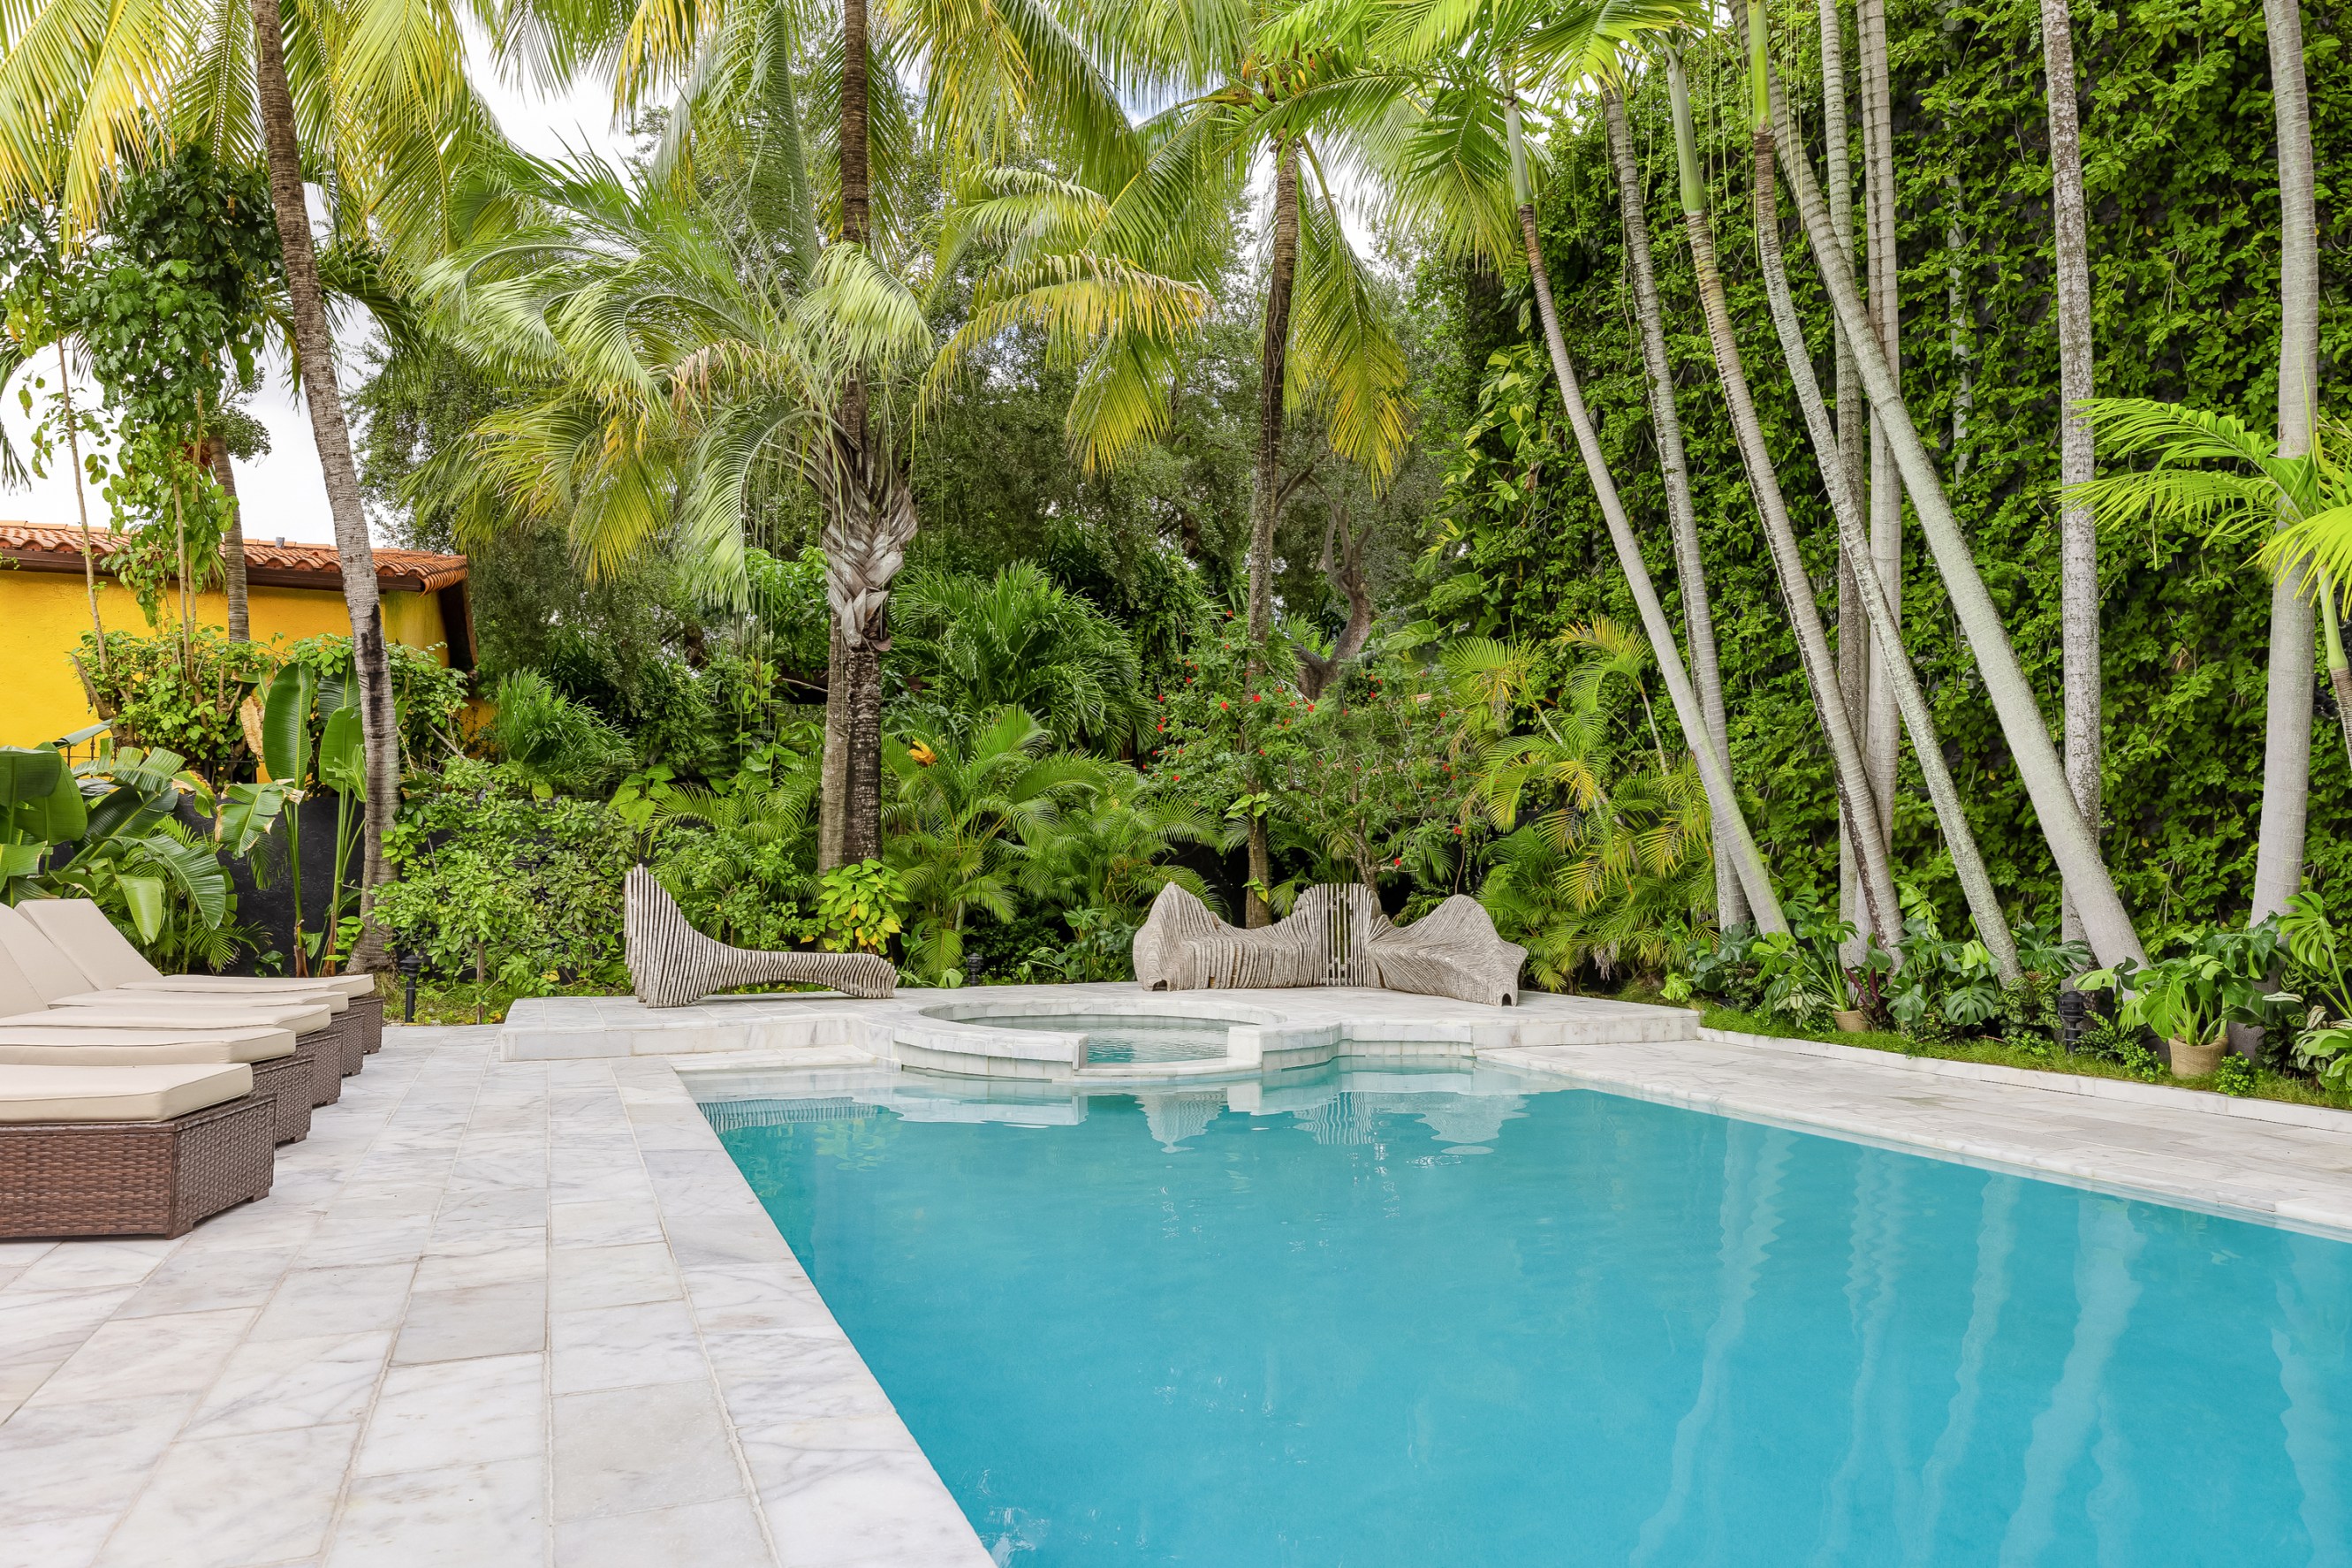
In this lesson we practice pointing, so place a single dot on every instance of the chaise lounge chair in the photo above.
(672, 965)
(25, 1004)
(105, 956)
(1335, 934)
(129, 1151)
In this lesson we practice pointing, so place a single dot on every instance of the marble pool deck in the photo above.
(503, 1311)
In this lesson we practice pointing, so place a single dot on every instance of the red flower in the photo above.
(1257, 697)
(1221, 702)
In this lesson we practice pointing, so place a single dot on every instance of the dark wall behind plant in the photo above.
(2181, 172)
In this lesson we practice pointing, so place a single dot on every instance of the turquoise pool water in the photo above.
(1129, 1039)
(1394, 1325)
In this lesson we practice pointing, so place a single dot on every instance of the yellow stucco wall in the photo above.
(43, 615)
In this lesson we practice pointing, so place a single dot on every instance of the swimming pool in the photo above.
(1464, 1318)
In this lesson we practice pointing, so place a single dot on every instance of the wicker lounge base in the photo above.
(1334, 936)
(134, 1178)
(286, 1081)
(351, 1036)
(672, 965)
(325, 1047)
(369, 1010)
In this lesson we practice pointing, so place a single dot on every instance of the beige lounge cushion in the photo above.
(125, 1048)
(145, 1045)
(82, 930)
(150, 1011)
(60, 981)
(47, 1093)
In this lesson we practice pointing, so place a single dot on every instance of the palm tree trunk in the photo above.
(2105, 924)
(833, 767)
(1732, 838)
(1698, 616)
(1882, 734)
(2286, 745)
(379, 725)
(240, 627)
(1863, 824)
(2078, 533)
(1853, 539)
(1265, 492)
(1854, 639)
(81, 501)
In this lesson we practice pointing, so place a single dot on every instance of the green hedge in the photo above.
(2178, 142)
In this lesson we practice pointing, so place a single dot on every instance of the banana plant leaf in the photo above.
(19, 860)
(143, 795)
(286, 725)
(248, 813)
(144, 895)
(343, 755)
(59, 817)
(27, 774)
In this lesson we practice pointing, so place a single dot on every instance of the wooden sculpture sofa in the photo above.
(672, 965)
(1335, 934)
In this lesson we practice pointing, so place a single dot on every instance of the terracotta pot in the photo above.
(1850, 1021)
(2194, 1061)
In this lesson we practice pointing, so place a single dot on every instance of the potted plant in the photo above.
(2190, 998)
(1803, 972)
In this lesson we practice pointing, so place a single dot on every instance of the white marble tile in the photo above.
(613, 1276)
(48, 1326)
(94, 1265)
(623, 1450)
(863, 1508)
(71, 1543)
(210, 1280)
(69, 1459)
(721, 1534)
(621, 1347)
(447, 1413)
(354, 1299)
(484, 1257)
(606, 1223)
(474, 1319)
(226, 1502)
(280, 1382)
(490, 1515)
(129, 1357)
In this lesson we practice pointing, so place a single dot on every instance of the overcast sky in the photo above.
(282, 493)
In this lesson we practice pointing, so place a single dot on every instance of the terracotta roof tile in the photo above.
(284, 565)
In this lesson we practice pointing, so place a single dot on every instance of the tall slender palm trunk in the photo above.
(1698, 616)
(1265, 489)
(869, 518)
(1878, 614)
(81, 502)
(2286, 737)
(1863, 824)
(233, 574)
(314, 343)
(1732, 838)
(1854, 639)
(1881, 724)
(2078, 533)
(2105, 924)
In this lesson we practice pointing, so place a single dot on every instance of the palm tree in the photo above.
(1881, 734)
(2295, 506)
(1854, 639)
(1698, 618)
(1465, 64)
(2107, 925)
(2078, 536)
(973, 645)
(385, 117)
(1857, 802)
(961, 816)
(2287, 744)
(1869, 594)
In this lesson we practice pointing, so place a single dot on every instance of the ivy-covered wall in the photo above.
(2179, 148)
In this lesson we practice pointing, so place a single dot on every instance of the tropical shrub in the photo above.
(966, 646)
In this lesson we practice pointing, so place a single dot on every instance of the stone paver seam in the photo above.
(718, 1385)
(366, 1417)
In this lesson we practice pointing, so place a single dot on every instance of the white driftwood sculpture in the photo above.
(673, 965)
(1334, 936)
